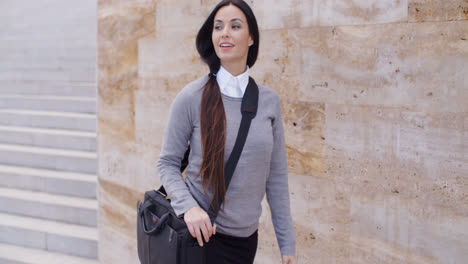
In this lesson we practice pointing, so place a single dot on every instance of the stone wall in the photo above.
(374, 97)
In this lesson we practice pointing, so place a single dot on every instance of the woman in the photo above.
(207, 114)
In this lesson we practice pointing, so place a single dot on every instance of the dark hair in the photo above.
(212, 115)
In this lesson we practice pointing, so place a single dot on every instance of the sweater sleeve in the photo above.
(175, 141)
(277, 190)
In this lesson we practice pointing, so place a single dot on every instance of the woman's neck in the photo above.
(235, 70)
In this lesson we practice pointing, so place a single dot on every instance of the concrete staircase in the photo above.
(48, 160)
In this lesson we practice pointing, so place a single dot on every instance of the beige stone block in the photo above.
(308, 13)
(356, 223)
(117, 222)
(182, 16)
(432, 143)
(320, 212)
(304, 123)
(151, 114)
(432, 155)
(437, 10)
(121, 22)
(116, 118)
(161, 78)
(153, 103)
(278, 63)
(361, 130)
(419, 66)
(407, 174)
(392, 229)
(171, 57)
(284, 14)
(120, 25)
(128, 163)
(278, 67)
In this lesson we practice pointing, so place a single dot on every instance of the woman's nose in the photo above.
(226, 32)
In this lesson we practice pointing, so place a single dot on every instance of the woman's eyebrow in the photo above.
(234, 19)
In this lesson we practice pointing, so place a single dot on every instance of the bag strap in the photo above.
(249, 110)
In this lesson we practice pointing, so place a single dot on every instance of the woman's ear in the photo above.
(251, 42)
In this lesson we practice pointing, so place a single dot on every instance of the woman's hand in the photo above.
(199, 224)
(289, 260)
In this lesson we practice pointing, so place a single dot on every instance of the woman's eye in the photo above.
(236, 26)
(218, 27)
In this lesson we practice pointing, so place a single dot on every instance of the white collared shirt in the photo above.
(233, 86)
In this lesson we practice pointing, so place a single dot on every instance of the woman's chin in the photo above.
(229, 59)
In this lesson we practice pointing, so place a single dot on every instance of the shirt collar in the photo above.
(229, 84)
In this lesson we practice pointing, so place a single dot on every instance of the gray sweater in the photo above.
(262, 167)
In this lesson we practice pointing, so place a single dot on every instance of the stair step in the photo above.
(49, 138)
(48, 88)
(44, 57)
(67, 209)
(48, 235)
(38, 32)
(10, 254)
(80, 75)
(49, 64)
(49, 44)
(31, 63)
(57, 50)
(49, 181)
(49, 103)
(48, 119)
(48, 158)
(49, 38)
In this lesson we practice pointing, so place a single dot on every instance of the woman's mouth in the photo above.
(226, 46)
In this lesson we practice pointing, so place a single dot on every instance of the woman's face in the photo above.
(231, 37)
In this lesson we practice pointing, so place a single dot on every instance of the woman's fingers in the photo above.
(191, 230)
(205, 232)
(289, 260)
(201, 233)
(199, 224)
(210, 228)
(199, 237)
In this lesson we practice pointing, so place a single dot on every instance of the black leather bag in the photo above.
(162, 237)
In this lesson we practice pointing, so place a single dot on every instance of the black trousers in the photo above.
(224, 249)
